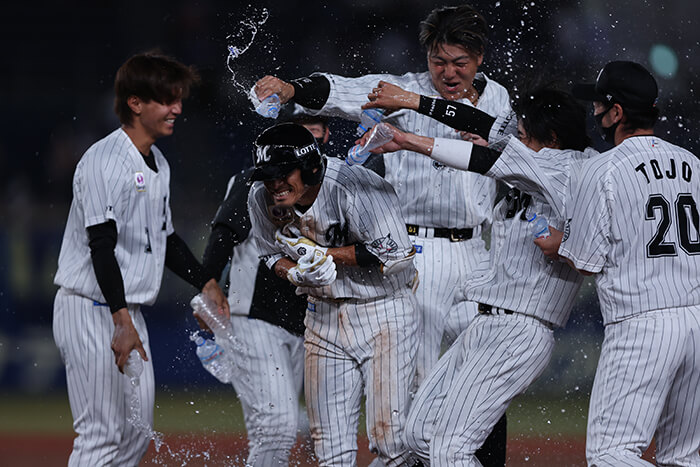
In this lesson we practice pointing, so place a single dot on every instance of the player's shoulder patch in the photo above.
(567, 230)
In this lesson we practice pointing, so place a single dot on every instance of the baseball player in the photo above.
(118, 237)
(445, 209)
(632, 220)
(521, 298)
(268, 318)
(337, 234)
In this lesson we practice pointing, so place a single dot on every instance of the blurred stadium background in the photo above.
(56, 77)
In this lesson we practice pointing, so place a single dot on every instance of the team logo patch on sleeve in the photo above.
(140, 181)
(382, 247)
(567, 231)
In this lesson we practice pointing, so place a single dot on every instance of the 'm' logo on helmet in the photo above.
(262, 154)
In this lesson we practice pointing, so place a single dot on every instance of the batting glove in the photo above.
(313, 271)
(297, 247)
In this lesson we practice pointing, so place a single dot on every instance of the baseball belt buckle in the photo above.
(455, 238)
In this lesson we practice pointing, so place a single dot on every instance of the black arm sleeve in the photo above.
(482, 159)
(219, 250)
(180, 260)
(230, 227)
(364, 258)
(459, 116)
(311, 92)
(102, 240)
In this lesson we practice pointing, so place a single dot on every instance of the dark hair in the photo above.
(551, 115)
(151, 76)
(458, 25)
(639, 119)
(303, 119)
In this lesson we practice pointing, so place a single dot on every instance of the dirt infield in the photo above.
(230, 450)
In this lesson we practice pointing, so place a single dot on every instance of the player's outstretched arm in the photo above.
(391, 97)
(269, 85)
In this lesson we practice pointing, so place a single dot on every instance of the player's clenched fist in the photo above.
(269, 85)
(313, 271)
(296, 247)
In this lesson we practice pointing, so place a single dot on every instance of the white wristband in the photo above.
(452, 152)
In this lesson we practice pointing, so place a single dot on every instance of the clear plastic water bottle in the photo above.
(212, 357)
(381, 134)
(369, 118)
(206, 309)
(539, 226)
(269, 107)
(134, 367)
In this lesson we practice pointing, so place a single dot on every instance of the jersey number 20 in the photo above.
(686, 217)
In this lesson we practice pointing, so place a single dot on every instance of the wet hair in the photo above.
(151, 76)
(456, 25)
(303, 119)
(553, 116)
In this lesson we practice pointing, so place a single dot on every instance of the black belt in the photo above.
(485, 309)
(456, 235)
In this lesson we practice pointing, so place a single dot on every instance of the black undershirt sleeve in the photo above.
(219, 250)
(364, 258)
(311, 92)
(457, 115)
(180, 260)
(482, 159)
(102, 239)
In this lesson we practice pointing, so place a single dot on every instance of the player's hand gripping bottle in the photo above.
(381, 134)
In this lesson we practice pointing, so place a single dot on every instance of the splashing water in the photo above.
(135, 416)
(236, 50)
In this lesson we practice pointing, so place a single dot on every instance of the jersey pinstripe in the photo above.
(468, 391)
(111, 182)
(126, 190)
(361, 330)
(453, 198)
(352, 206)
(271, 358)
(634, 219)
(517, 276)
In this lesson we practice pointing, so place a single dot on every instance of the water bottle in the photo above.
(381, 134)
(134, 367)
(212, 357)
(369, 118)
(539, 226)
(205, 308)
(269, 107)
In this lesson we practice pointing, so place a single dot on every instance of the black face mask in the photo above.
(608, 133)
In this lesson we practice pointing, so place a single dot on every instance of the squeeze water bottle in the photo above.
(369, 118)
(269, 107)
(212, 357)
(206, 309)
(381, 134)
(538, 225)
(134, 367)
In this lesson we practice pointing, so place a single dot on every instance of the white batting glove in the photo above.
(297, 247)
(313, 271)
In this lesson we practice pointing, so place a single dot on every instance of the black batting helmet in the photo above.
(285, 147)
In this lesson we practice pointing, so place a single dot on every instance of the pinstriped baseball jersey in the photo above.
(517, 277)
(452, 198)
(634, 220)
(353, 205)
(113, 182)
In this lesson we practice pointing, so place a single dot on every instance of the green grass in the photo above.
(220, 412)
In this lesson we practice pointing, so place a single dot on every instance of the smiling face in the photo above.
(452, 69)
(289, 190)
(157, 119)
